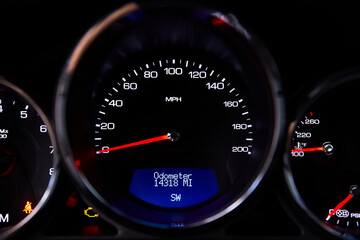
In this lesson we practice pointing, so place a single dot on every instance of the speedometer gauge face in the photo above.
(169, 115)
(188, 125)
(323, 167)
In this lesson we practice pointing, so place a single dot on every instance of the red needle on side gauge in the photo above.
(354, 192)
(150, 140)
(340, 205)
(308, 149)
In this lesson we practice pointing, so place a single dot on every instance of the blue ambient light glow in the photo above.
(174, 187)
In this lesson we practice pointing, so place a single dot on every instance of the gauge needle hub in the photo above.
(142, 142)
(327, 148)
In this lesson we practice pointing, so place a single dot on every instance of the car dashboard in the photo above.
(182, 119)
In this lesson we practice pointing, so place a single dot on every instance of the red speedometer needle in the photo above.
(314, 149)
(142, 142)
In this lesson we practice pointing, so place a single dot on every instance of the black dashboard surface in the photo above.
(309, 42)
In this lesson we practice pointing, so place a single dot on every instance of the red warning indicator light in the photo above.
(28, 209)
(219, 21)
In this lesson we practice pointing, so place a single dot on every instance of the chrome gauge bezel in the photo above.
(39, 211)
(269, 70)
(315, 94)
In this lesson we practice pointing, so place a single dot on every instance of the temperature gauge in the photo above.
(322, 160)
(303, 140)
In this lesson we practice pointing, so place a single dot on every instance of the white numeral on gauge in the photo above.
(240, 149)
(107, 126)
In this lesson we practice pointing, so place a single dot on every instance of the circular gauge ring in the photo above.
(154, 100)
(321, 163)
(28, 160)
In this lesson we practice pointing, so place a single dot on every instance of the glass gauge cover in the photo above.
(169, 116)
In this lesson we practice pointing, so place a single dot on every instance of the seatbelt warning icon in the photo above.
(28, 209)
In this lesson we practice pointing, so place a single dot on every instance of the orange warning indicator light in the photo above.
(90, 212)
(28, 209)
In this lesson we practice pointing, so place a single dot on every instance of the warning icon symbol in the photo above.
(28, 209)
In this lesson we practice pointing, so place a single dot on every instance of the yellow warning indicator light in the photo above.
(28, 209)
(90, 212)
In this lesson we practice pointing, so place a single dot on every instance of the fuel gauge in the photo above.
(322, 164)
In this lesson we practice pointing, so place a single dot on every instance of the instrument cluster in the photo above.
(179, 119)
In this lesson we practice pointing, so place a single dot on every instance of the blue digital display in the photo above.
(174, 187)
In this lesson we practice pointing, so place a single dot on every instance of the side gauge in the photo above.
(322, 161)
(27, 159)
(168, 116)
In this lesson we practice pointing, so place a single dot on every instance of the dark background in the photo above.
(309, 42)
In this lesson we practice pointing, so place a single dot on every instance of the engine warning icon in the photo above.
(90, 212)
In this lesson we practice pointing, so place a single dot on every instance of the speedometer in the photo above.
(174, 116)
(168, 116)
